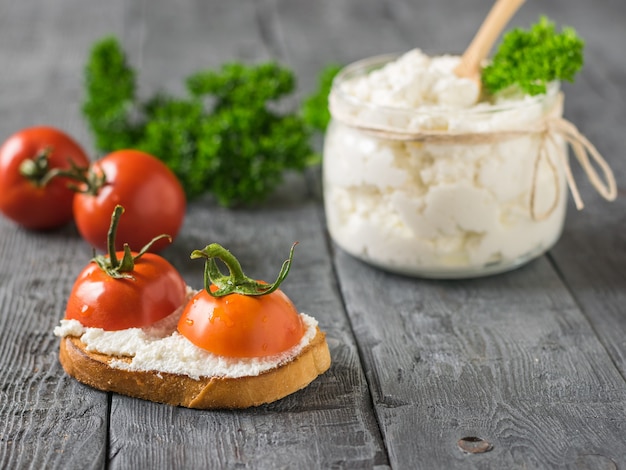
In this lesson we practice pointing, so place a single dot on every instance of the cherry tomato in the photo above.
(99, 300)
(134, 291)
(151, 194)
(26, 158)
(239, 325)
(237, 316)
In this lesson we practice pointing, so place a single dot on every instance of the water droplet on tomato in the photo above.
(86, 310)
(264, 347)
(189, 321)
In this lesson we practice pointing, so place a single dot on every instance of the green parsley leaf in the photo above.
(532, 59)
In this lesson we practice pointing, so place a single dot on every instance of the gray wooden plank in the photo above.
(46, 419)
(509, 359)
(43, 51)
(596, 276)
(194, 35)
(331, 31)
(591, 255)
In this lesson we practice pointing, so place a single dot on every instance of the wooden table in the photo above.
(530, 365)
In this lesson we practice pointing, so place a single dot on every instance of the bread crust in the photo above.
(93, 369)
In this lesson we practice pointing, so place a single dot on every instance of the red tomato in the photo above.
(151, 194)
(239, 325)
(24, 199)
(98, 300)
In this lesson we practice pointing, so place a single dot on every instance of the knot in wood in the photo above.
(474, 445)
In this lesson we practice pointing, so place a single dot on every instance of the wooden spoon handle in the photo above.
(492, 26)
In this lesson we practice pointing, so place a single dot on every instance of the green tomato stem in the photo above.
(83, 179)
(112, 265)
(115, 220)
(236, 282)
(37, 169)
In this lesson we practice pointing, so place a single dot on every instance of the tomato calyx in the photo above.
(111, 265)
(235, 316)
(236, 282)
(83, 179)
(89, 180)
(37, 169)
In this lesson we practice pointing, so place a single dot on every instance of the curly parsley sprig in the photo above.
(532, 59)
(315, 107)
(226, 137)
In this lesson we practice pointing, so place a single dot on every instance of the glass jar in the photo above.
(440, 192)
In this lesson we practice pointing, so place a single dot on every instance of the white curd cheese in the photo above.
(161, 348)
(439, 207)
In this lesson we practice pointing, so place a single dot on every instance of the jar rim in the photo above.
(365, 66)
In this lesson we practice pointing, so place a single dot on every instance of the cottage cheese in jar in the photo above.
(425, 177)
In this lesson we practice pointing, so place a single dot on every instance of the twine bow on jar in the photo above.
(583, 149)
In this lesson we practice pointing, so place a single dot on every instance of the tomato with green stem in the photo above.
(236, 316)
(30, 193)
(125, 289)
(151, 194)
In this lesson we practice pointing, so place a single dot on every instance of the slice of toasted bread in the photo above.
(93, 369)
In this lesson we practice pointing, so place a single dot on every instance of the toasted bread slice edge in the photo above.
(93, 369)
